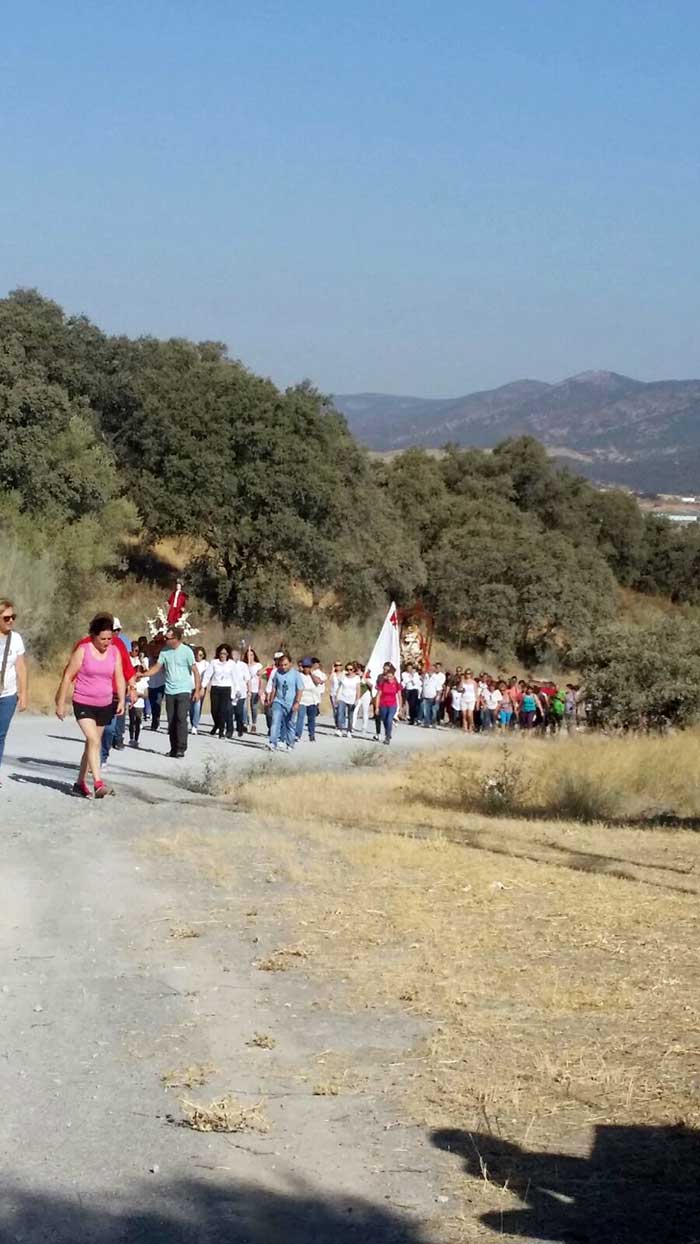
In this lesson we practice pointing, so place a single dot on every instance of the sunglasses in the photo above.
(9, 617)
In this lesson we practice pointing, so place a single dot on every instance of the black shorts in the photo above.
(101, 714)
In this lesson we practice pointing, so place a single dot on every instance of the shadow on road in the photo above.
(195, 1212)
(639, 1185)
(65, 788)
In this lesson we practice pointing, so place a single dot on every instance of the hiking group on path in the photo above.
(113, 682)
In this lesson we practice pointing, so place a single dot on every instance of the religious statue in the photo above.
(177, 603)
(175, 613)
(416, 635)
(412, 644)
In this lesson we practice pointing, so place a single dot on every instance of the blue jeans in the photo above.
(109, 735)
(307, 713)
(346, 712)
(283, 727)
(252, 708)
(195, 712)
(8, 704)
(107, 740)
(387, 714)
(429, 711)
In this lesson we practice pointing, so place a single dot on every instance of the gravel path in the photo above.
(102, 996)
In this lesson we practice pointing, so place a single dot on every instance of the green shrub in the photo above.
(31, 581)
(642, 677)
(214, 778)
(500, 791)
(583, 797)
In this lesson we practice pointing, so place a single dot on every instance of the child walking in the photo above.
(136, 710)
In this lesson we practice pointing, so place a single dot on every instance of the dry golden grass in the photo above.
(554, 966)
(183, 932)
(43, 683)
(178, 552)
(262, 1040)
(281, 960)
(641, 779)
(555, 997)
(226, 1114)
(193, 1076)
(641, 608)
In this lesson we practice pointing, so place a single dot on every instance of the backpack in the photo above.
(557, 704)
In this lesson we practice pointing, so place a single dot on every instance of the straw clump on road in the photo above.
(225, 1114)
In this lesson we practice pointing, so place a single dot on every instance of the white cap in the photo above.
(116, 624)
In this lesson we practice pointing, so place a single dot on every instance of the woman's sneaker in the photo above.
(82, 790)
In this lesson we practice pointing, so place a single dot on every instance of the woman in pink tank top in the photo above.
(98, 695)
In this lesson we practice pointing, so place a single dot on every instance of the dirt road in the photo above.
(128, 985)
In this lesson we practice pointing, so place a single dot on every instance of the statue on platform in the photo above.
(416, 636)
(411, 645)
(175, 613)
(177, 603)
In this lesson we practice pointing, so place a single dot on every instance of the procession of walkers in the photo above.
(117, 685)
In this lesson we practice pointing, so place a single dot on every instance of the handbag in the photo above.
(5, 658)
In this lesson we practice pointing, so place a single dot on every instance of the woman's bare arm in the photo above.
(120, 681)
(69, 674)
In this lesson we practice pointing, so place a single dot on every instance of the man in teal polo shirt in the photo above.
(179, 666)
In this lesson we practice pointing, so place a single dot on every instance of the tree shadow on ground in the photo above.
(454, 801)
(64, 788)
(195, 1212)
(638, 1185)
(555, 855)
(178, 793)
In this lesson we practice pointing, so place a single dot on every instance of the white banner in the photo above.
(387, 647)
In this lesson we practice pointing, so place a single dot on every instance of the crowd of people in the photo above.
(118, 686)
(481, 702)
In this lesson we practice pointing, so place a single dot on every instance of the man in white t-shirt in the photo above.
(433, 685)
(13, 671)
(240, 684)
(411, 685)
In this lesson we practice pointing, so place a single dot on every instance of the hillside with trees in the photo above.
(106, 440)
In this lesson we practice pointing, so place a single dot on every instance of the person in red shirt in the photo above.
(388, 699)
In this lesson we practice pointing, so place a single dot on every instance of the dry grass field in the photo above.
(554, 963)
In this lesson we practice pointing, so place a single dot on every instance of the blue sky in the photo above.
(420, 198)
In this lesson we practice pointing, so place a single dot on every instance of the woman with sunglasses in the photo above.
(13, 671)
(348, 695)
(220, 687)
(333, 681)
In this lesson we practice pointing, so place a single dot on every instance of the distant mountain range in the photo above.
(608, 427)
